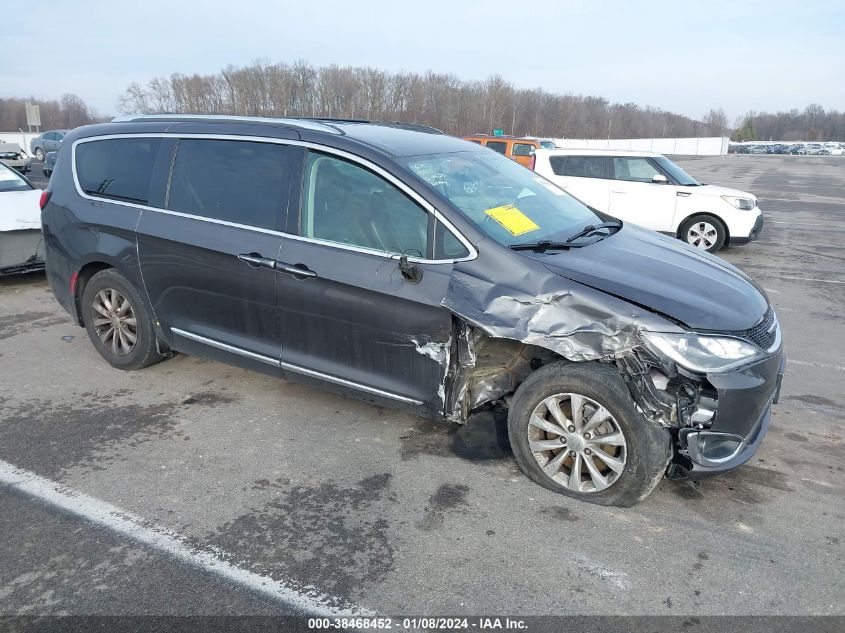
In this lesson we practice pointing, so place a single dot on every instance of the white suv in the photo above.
(650, 190)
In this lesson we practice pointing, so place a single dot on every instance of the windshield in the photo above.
(10, 181)
(677, 174)
(505, 200)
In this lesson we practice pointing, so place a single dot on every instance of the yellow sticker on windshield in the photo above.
(512, 219)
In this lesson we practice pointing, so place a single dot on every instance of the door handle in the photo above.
(300, 271)
(617, 191)
(256, 260)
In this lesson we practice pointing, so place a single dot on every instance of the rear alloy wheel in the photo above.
(118, 321)
(704, 232)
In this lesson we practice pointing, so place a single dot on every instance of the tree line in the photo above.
(63, 114)
(814, 123)
(443, 101)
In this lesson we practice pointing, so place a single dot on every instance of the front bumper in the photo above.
(743, 414)
(752, 235)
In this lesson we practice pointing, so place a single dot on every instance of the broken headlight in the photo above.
(700, 353)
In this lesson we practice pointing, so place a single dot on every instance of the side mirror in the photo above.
(659, 179)
(410, 271)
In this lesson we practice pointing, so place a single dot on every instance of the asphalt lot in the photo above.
(361, 507)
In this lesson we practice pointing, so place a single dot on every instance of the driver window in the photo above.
(348, 204)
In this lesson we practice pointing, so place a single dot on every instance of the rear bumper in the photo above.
(745, 399)
(752, 235)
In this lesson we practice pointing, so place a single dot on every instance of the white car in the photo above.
(650, 190)
(21, 246)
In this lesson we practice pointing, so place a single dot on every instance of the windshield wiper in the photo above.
(590, 229)
(543, 245)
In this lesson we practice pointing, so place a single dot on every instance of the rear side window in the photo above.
(523, 149)
(498, 146)
(634, 169)
(243, 182)
(117, 169)
(579, 166)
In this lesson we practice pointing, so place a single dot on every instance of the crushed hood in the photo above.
(661, 273)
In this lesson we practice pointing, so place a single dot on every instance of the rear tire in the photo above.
(704, 232)
(118, 321)
(628, 455)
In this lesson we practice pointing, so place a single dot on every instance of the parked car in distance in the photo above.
(519, 149)
(21, 246)
(757, 149)
(14, 156)
(48, 142)
(49, 164)
(415, 269)
(650, 190)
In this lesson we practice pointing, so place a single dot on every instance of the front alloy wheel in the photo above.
(577, 442)
(575, 429)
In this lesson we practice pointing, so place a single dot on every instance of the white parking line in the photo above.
(113, 518)
(823, 281)
(822, 365)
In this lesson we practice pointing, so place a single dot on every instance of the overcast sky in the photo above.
(681, 56)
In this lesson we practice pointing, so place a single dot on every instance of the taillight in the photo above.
(45, 198)
(530, 164)
(73, 279)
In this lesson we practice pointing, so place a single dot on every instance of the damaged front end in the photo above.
(717, 420)
(501, 334)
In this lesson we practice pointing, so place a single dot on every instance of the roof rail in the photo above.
(402, 125)
(312, 124)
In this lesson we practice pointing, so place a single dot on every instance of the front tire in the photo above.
(39, 153)
(118, 322)
(574, 429)
(704, 232)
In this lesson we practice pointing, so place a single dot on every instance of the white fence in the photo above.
(21, 138)
(708, 146)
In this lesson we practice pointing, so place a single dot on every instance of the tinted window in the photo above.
(236, 181)
(523, 149)
(579, 166)
(49, 136)
(497, 146)
(119, 169)
(634, 169)
(348, 204)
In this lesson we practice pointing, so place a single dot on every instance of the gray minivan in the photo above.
(393, 263)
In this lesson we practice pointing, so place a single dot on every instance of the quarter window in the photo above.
(634, 169)
(243, 182)
(118, 169)
(579, 166)
(348, 204)
(500, 147)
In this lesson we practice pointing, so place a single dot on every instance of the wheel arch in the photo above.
(709, 214)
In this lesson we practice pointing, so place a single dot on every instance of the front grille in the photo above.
(762, 334)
